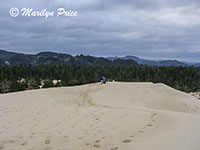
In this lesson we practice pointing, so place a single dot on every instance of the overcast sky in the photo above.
(154, 29)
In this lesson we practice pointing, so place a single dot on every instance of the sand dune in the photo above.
(115, 116)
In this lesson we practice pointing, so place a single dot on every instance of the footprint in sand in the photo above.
(47, 141)
(153, 115)
(126, 141)
(114, 148)
(97, 141)
(9, 141)
(24, 143)
(141, 131)
(1, 147)
(96, 145)
(149, 125)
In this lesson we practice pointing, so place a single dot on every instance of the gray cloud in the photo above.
(160, 29)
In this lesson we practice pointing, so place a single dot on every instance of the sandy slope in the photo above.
(115, 116)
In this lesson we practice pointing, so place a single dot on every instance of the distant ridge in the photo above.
(45, 58)
(197, 65)
(13, 58)
(151, 62)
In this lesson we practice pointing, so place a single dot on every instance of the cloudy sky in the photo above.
(154, 29)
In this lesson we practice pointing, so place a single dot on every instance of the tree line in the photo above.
(24, 77)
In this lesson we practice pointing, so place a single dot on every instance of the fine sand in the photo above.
(114, 116)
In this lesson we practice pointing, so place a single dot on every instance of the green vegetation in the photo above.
(19, 78)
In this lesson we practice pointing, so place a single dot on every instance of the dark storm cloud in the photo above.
(160, 29)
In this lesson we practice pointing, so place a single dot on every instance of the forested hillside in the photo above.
(18, 78)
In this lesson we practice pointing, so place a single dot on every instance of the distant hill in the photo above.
(11, 58)
(150, 62)
(197, 65)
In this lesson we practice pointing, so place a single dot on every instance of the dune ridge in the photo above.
(114, 116)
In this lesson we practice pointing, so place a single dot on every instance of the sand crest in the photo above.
(115, 116)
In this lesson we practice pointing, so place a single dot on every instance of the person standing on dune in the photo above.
(103, 80)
